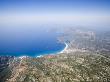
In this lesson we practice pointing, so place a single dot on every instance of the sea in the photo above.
(29, 41)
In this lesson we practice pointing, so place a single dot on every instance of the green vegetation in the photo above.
(83, 67)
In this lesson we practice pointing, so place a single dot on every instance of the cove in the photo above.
(29, 41)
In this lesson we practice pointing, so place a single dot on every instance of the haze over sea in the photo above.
(29, 40)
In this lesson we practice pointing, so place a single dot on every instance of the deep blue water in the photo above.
(30, 41)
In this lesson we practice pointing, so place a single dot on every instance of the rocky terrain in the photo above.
(5, 70)
(73, 67)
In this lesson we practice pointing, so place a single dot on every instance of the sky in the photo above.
(70, 12)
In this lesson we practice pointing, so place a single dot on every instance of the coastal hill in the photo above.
(86, 59)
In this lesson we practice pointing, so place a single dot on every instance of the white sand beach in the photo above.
(64, 50)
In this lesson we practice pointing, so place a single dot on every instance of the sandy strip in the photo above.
(63, 51)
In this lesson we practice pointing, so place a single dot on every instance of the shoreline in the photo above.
(42, 55)
(64, 48)
(62, 51)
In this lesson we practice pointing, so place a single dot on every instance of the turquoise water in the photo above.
(29, 41)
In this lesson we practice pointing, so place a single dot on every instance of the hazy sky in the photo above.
(79, 12)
